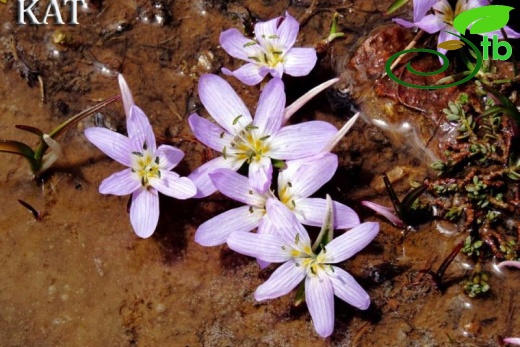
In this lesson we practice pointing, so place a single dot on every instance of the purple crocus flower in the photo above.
(296, 183)
(442, 20)
(241, 139)
(291, 246)
(271, 51)
(148, 169)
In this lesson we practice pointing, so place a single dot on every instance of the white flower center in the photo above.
(145, 166)
(446, 12)
(306, 257)
(247, 145)
(270, 55)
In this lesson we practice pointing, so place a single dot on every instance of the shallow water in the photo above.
(80, 276)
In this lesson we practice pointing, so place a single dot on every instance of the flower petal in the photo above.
(169, 157)
(421, 7)
(288, 31)
(270, 109)
(223, 103)
(260, 174)
(120, 183)
(301, 140)
(215, 231)
(312, 211)
(351, 242)
(115, 145)
(303, 177)
(281, 282)
(300, 61)
(431, 24)
(126, 94)
(386, 212)
(266, 226)
(236, 187)
(200, 176)
(319, 296)
(250, 74)
(347, 289)
(209, 133)
(144, 212)
(266, 247)
(514, 263)
(403, 23)
(171, 184)
(286, 222)
(237, 45)
(302, 100)
(264, 31)
(139, 130)
(445, 36)
(512, 340)
(511, 34)
(277, 70)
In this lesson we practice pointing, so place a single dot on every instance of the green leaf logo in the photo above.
(484, 19)
(451, 45)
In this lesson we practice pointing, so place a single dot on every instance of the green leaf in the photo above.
(19, 148)
(27, 128)
(484, 19)
(397, 4)
(16, 147)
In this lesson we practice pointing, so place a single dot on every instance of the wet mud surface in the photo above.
(81, 277)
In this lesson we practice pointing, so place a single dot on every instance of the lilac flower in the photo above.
(387, 212)
(241, 139)
(442, 20)
(296, 183)
(291, 246)
(271, 51)
(148, 166)
(420, 8)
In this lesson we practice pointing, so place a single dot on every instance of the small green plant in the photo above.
(39, 160)
(477, 285)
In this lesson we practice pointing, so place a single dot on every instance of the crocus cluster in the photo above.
(269, 224)
(274, 210)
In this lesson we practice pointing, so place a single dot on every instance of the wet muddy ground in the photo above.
(81, 277)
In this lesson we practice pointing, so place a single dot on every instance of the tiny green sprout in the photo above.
(333, 34)
(38, 159)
